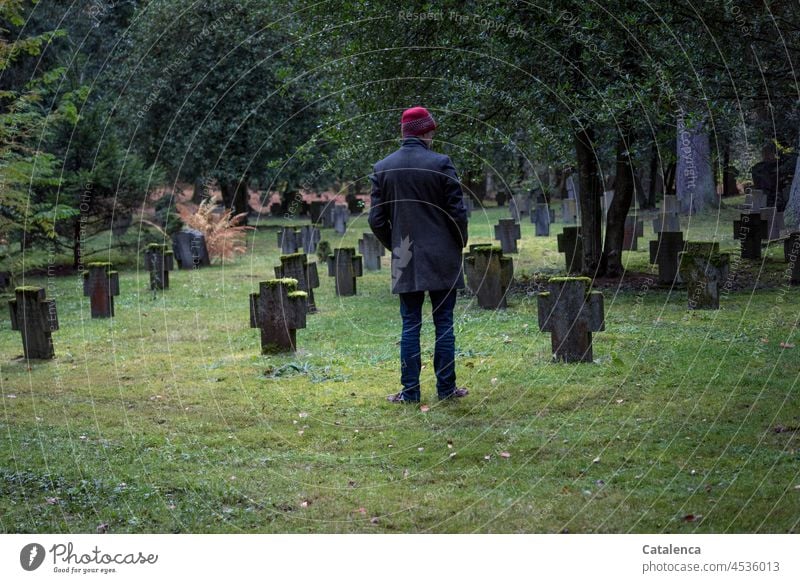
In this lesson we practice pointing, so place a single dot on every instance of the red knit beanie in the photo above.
(416, 121)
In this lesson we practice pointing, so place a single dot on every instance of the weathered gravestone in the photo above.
(774, 221)
(189, 248)
(296, 266)
(570, 311)
(542, 218)
(468, 204)
(290, 239)
(633, 229)
(372, 250)
(5, 280)
(525, 204)
(275, 209)
(668, 219)
(279, 310)
(36, 318)
(345, 266)
(488, 275)
(569, 211)
(340, 216)
(507, 231)
(159, 262)
(100, 285)
(310, 237)
(755, 200)
(664, 252)
(791, 253)
(750, 229)
(704, 269)
(315, 210)
(570, 244)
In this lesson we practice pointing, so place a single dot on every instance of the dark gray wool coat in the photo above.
(418, 214)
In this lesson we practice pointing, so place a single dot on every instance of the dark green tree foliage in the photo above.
(209, 90)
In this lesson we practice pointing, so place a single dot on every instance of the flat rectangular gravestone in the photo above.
(634, 228)
(750, 229)
(345, 266)
(310, 236)
(468, 204)
(569, 211)
(507, 231)
(664, 252)
(774, 222)
(542, 218)
(791, 253)
(371, 250)
(570, 311)
(488, 275)
(289, 240)
(159, 262)
(100, 285)
(315, 211)
(340, 215)
(570, 244)
(296, 266)
(190, 250)
(278, 309)
(526, 204)
(326, 217)
(668, 219)
(704, 270)
(36, 318)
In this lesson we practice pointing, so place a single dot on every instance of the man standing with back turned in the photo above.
(418, 214)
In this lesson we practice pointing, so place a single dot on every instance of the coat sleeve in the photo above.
(454, 201)
(379, 217)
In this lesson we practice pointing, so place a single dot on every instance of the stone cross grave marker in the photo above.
(668, 217)
(310, 236)
(290, 239)
(279, 310)
(296, 266)
(542, 218)
(340, 216)
(36, 318)
(190, 250)
(159, 262)
(704, 269)
(345, 267)
(372, 250)
(750, 229)
(488, 275)
(570, 244)
(633, 229)
(100, 285)
(570, 311)
(569, 211)
(664, 253)
(507, 231)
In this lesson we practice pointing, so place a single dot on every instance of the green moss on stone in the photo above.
(288, 282)
(487, 250)
(544, 294)
(700, 247)
(28, 288)
(292, 256)
(156, 247)
(99, 264)
(298, 294)
(586, 280)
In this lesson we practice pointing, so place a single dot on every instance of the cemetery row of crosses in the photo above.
(568, 308)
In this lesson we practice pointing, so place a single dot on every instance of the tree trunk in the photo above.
(694, 177)
(655, 175)
(76, 242)
(235, 197)
(199, 193)
(792, 210)
(620, 205)
(591, 191)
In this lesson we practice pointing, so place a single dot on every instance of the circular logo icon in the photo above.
(31, 556)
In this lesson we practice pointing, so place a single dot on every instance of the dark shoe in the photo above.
(456, 394)
(399, 398)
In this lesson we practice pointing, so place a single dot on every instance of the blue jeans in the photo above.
(445, 350)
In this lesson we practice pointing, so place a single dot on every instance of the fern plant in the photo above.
(224, 236)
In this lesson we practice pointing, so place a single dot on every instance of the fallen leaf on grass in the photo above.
(505, 454)
(362, 510)
(692, 517)
(786, 345)
(487, 457)
(596, 460)
(374, 520)
(424, 408)
(494, 381)
(51, 501)
(102, 527)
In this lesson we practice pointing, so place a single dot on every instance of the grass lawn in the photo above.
(168, 419)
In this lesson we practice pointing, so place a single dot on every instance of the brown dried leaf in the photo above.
(505, 454)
